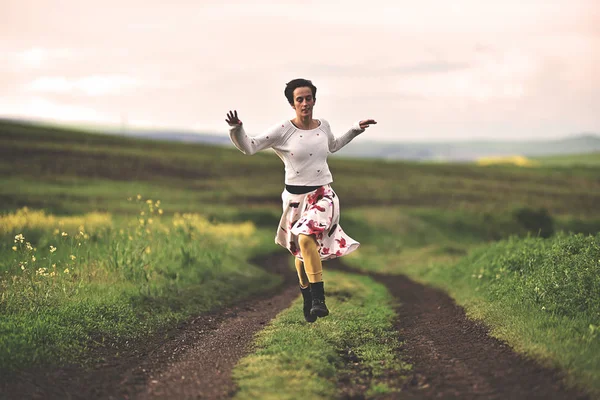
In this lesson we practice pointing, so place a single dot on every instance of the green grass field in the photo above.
(443, 224)
(588, 159)
(76, 283)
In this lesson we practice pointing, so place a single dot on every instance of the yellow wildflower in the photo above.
(72, 257)
(148, 201)
(29, 246)
(66, 271)
(142, 213)
(33, 258)
(141, 221)
(517, 160)
(53, 273)
(22, 267)
(148, 251)
(160, 211)
(157, 203)
(52, 249)
(64, 234)
(53, 265)
(14, 248)
(139, 196)
(149, 220)
(56, 231)
(19, 238)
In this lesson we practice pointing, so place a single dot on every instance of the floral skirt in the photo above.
(315, 213)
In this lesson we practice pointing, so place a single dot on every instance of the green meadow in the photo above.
(132, 236)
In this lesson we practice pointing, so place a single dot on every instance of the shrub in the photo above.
(538, 222)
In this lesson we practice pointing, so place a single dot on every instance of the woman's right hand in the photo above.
(232, 118)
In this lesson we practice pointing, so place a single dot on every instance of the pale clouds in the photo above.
(40, 107)
(431, 69)
(95, 85)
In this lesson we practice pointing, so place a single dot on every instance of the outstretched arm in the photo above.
(336, 143)
(248, 144)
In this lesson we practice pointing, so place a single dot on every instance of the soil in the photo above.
(452, 357)
(194, 360)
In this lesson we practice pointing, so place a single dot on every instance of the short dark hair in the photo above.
(295, 84)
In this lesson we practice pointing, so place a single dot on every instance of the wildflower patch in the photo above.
(151, 270)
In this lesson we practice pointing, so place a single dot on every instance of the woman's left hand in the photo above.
(364, 124)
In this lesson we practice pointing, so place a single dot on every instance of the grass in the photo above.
(540, 295)
(588, 159)
(426, 220)
(355, 344)
(82, 172)
(67, 286)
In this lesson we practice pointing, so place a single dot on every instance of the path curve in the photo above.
(194, 360)
(453, 357)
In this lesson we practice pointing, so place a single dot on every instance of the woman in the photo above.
(309, 226)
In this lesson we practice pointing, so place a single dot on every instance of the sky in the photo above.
(424, 70)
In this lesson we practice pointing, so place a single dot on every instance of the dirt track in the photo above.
(194, 360)
(453, 357)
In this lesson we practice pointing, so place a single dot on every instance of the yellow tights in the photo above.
(311, 270)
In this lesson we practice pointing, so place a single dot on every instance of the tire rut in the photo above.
(453, 357)
(194, 360)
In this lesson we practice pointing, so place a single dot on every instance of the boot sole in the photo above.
(319, 313)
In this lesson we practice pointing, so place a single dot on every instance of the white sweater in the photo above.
(303, 152)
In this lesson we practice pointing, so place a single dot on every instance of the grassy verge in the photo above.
(71, 284)
(294, 359)
(540, 295)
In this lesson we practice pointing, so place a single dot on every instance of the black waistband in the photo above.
(300, 189)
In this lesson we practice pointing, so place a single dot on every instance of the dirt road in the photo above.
(453, 357)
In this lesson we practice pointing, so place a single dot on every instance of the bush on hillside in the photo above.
(558, 275)
(538, 222)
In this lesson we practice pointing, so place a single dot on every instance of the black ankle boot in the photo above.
(319, 309)
(308, 305)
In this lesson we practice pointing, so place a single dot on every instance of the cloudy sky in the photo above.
(426, 70)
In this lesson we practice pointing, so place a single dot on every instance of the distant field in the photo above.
(585, 159)
(66, 172)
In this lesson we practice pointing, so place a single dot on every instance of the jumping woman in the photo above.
(309, 227)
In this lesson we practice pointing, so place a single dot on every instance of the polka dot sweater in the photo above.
(303, 152)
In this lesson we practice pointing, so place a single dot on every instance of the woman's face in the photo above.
(303, 101)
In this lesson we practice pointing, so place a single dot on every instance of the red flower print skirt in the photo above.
(315, 213)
